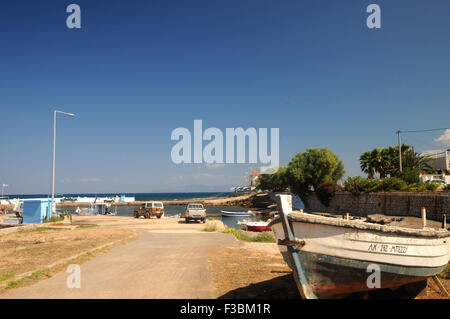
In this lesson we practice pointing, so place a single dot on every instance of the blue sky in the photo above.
(136, 70)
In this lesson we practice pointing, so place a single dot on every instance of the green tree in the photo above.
(386, 162)
(416, 161)
(313, 167)
(276, 182)
(367, 164)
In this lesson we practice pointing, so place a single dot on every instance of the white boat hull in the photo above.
(376, 247)
(335, 256)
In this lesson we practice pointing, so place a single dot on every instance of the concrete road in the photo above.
(161, 263)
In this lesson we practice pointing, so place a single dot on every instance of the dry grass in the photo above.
(253, 270)
(32, 250)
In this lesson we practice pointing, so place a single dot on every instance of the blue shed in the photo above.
(35, 211)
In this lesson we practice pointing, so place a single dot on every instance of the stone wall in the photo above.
(389, 203)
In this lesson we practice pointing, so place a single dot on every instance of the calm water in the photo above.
(171, 210)
(138, 196)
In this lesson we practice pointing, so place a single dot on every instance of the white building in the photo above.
(435, 178)
(440, 161)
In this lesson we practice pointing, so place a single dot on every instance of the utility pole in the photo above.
(53, 162)
(399, 150)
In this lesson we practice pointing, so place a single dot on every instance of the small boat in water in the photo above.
(97, 209)
(243, 224)
(235, 214)
(258, 226)
(93, 209)
(333, 257)
(108, 212)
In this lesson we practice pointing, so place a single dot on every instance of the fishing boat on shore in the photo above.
(334, 257)
(235, 214)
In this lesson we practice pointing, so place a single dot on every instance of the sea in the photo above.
(170, 210)
(137, 196)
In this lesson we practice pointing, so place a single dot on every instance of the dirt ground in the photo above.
(33, 249)
(433, 291)
(257, 270)
(252, 270)
(248, 270)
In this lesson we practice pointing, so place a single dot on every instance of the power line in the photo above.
(415, 131)
(429, 130)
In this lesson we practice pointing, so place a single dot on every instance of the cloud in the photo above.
(444, 138)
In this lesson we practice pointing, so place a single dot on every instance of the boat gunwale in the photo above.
(361, 225)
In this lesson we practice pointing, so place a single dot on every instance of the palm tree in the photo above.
(366, 163)
(386, 162)
(416, 161)
(381, 161)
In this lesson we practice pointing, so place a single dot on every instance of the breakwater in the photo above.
(246, 200)
(387, 203)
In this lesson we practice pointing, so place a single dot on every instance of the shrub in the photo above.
(432, 186)
(59, 218)
(276, 182)
(354, 184)
(417, 187)
(410, 175)
(264, 237)
(393, 184)
(210, 228)
(326, 191)
(372, 185)
(359, 184)
(54, 219)
(68, 214)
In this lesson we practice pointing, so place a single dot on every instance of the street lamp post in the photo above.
(54, 144)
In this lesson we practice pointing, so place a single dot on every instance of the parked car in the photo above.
(150, 209)
(195, 211)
